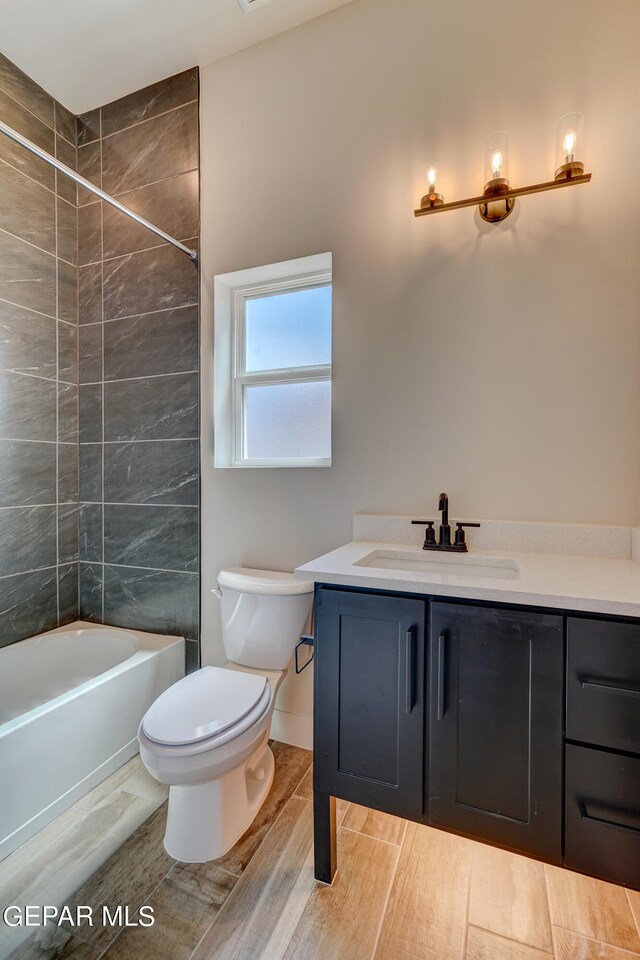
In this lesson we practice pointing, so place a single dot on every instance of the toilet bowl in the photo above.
(207, 735)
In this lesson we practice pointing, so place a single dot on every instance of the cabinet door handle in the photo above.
(602, 815)
(442, 654)
(609, 687)
(410, 678)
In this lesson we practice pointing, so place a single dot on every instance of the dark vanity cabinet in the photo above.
(369, 730)
(495, 739)
(517, 727)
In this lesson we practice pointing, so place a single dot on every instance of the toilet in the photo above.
(207, 735)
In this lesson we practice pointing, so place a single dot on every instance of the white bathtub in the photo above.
(71, 701)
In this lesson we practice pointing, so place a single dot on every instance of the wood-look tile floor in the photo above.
(402, 892)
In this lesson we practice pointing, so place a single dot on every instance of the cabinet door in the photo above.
(369, 700)
(496, 736)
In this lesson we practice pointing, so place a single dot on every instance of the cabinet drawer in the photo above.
(602, 816)
(603, 683)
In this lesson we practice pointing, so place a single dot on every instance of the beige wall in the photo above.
(497, 362)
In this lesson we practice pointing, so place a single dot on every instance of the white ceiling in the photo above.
(89, 52)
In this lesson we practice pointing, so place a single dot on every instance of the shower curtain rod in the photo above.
(68, 172)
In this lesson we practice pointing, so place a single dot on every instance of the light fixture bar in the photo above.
(516, 192)
(96, 191)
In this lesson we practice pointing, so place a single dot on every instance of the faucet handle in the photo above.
(429, 535)
(460, 540)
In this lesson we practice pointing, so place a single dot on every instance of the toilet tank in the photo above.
(263, 613)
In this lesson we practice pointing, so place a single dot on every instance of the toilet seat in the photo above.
(205, 709)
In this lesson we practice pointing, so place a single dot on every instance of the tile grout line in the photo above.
(138, 123)
(102, 482)
(57, 468)
(465, 937)
(360, 833)
(39, 119)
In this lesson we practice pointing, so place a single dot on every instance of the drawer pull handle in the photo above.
(609, 687)
(442, 654)
(601, 815)
(410, 674)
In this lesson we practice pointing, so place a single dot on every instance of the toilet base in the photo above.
(204, 820)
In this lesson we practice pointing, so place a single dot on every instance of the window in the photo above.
(273, 336)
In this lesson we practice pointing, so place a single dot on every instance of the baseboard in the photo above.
(293, 728)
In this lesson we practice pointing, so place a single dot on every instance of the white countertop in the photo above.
(594, 584)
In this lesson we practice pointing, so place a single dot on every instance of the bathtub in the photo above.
(71, 701)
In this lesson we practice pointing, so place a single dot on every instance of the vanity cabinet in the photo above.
(369, 704)
(480, 719)
(496, 739)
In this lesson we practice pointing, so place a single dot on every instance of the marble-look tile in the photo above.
(68, 533)
(27, 407)
(184, 904)
(159, 471)
(26, 91)
(28, 604)
(27, 275)
(152, 150)
(90, 233)
(27, 209)
(158, 408)
(68, 593)
(90, 294)
(191, 656)
(165, 538)
(69, 861)
(88, 126)
(90, 353)
(91, 577)
(27, 473)
(129, 876)
(67, 229)
(291, 765)
(15, 115)
(162, 602)
(150, 101)
(27, 539)
(65, 187)
(27, 341)
(90, 472)
(67, 292)
(91, 413)
(152, 344)
(152, 280)
(172, 205)
(90, 532)
(67, 352)
(89, 167)
(67, 473)
(67, 413)
(65, 123)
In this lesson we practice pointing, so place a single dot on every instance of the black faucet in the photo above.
(459, 544)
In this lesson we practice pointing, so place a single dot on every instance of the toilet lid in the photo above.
(202, 705)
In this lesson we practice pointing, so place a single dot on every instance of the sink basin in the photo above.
(445, 564)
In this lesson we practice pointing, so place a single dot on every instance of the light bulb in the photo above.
(431, 179)
(496, 163)
(568, 145)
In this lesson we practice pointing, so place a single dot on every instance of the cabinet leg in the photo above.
(324, 836)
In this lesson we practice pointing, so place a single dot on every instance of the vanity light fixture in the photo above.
(499, 198)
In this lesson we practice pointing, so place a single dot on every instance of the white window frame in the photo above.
(232, 291)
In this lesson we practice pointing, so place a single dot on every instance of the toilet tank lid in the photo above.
(268, 582)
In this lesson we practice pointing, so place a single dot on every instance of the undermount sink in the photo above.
(446, 565)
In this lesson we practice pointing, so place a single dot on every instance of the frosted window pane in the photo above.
(287, 420)
(288, 329)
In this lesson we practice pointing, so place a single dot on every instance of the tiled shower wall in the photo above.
(120, 492)
(138, 364)
(38, 366)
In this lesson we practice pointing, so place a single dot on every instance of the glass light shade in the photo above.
(496, 157)
(569, 139)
